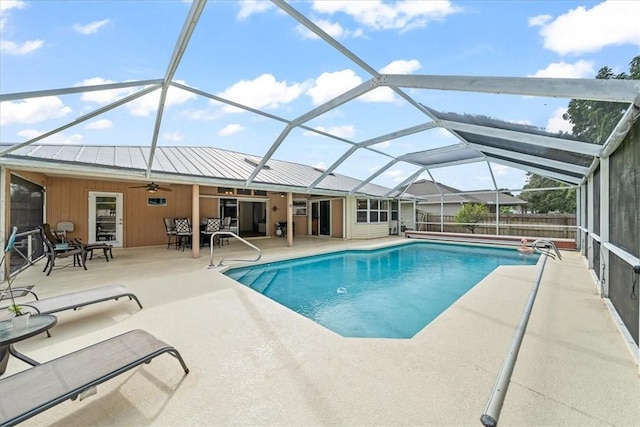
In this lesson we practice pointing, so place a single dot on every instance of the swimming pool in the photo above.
(385, 293)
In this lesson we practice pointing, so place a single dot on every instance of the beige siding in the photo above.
(362, 230)
(67, 200)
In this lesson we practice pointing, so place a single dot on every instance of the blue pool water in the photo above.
(385, 293)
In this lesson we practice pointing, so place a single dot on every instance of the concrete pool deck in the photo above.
(254, 362)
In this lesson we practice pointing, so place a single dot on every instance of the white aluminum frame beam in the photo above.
(327, 106)
(530, 158)
(181, 45)
(613, 90)
(82, 118)
(553, 175)
(526, 138)
(406, 182)
(77, 89)
(373, 176)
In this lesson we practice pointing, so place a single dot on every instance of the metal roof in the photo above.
(429, 192)
(206, 165)
(480, 139)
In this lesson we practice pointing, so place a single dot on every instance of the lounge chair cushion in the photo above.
(41, 387)
(77, 299)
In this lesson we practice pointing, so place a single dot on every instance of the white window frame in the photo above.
(376, 212)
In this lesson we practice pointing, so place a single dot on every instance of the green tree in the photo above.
(594, 121)
(471, 214)
(545, 201)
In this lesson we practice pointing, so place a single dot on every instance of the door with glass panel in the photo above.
(105, 218)
(321, 218)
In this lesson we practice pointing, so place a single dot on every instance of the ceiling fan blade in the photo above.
(140, 186)
(164, 189)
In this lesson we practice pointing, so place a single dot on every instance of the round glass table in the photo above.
(10, 335)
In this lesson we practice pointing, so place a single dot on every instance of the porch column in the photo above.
(195, 220)
(289, 219)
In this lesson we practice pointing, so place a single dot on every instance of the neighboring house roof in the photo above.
(429, 192)
(204, 165)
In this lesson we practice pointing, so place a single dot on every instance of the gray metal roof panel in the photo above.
(197, 162)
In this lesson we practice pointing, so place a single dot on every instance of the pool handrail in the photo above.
(232, 234)
(492, 412)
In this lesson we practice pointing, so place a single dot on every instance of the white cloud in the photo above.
(58, 138)
(250, 7)
(103, 97)
(262, 92)
(148, 104)
(557, 124)
(379, 94)
(330, 85)
(444, 133)
(140, 107)
(100, 124)
(396, 175)
(230, 129)
(334, 29)
(580, 69)
(32, 110)
(383, 144)
(173, 136)
(376, 15)
(499, 170)
(12, 4)
(344, 131)
(321, 166)
(10, 47)
(582, 30)
(401, 66)
(540, 20)
(91, 27)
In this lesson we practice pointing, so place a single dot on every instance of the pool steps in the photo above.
(258, 279)
(265, 279)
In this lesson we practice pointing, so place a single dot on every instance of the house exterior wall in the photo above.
(449, 208)
(67, 200)
(357, 230)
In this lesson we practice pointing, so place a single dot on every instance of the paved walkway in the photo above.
(254, 362)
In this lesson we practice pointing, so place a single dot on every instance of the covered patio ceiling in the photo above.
(478, 138)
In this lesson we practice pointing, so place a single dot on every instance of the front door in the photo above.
(105, 218)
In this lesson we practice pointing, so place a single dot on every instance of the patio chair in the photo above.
(170, 228)
(44, 386)
(213, 225)
(54, 251)
(183, 232)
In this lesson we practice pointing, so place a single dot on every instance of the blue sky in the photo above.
(253, 53)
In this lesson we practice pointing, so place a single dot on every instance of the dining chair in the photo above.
(183, 232)
(212, 225)
(170, 229)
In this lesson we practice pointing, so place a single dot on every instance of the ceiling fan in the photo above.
(152, 187)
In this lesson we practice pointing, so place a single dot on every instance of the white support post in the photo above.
(583, 216)
(590, 221)
(579, 218)
(604, 227)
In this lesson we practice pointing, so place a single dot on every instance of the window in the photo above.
(300, 207)
(156, 201)
(394, 210)
(372, 211)
(259, 193)
(243, 191)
